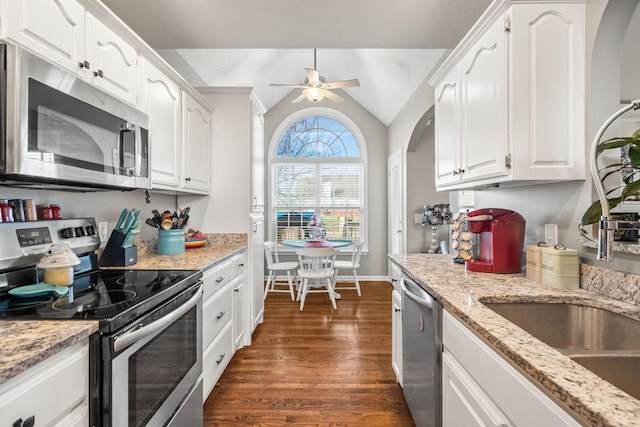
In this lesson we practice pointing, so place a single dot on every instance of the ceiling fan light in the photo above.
(313, 94)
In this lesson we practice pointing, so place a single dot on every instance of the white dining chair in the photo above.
(275, 266)
(352, 264)
(316, 273)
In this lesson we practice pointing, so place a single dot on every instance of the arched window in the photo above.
(317, 168)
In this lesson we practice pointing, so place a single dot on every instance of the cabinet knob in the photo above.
(84, 64)
(29, 422)
(396, 310)
(188, 179)
(98, 73)
(394, 280)
(455, 172)
(460, 171)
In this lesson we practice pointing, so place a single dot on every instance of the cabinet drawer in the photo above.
(216, 313)
(216, 357)
(62, 379)
(239, 264)
(217, 277)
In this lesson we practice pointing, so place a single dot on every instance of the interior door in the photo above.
(395, 208)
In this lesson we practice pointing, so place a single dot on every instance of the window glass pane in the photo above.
(341, 185)
(317, 136)
(295, 185)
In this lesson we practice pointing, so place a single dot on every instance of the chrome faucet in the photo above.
(606, 225)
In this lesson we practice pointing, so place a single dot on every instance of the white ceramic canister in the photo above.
(560, 268)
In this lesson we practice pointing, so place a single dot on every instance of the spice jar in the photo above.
(5, 211)
(30, 210)
(17, 205)
(44, 212)
(56, 212)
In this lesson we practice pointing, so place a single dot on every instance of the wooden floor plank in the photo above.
(319, 367)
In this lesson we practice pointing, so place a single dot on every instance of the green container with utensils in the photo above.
(170, 242)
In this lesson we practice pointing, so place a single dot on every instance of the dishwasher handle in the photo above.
(416, 292)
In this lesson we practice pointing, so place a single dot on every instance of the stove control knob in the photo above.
(90, 230)
(67, 233)
(79, 231)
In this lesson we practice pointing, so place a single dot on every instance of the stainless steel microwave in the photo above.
(58, 130)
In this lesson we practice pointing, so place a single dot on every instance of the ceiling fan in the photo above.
(315, 87)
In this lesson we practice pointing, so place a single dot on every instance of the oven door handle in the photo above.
(129, 338)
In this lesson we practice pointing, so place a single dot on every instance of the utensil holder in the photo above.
(170, 242)
(114, 255)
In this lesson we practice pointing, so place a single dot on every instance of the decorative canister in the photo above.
(170, 242)
(534, 257)
(560, 268)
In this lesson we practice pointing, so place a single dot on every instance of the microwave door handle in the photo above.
(130, 338)
(138, 152)
(126, 129)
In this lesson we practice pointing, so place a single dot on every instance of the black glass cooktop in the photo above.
(114, 297)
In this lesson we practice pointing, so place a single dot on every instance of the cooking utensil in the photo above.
(37, 290)
(152, 222)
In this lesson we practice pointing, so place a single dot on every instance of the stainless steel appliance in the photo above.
(146, 359)
(421, 354)
(58, 130)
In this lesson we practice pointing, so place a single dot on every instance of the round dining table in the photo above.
(311, 243)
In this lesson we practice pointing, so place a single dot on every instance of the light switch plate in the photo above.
(102, 231)
(551, 234)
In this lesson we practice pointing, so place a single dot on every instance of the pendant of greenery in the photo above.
(630, 186)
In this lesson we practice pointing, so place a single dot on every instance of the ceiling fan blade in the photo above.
(298, 99)
(343, 83)
(296, 85)
(332, 96)
(313, 76)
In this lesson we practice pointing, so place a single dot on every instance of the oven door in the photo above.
(155, 364)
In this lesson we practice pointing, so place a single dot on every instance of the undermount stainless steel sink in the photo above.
(573, 326)
(604, 342)
(621, 370)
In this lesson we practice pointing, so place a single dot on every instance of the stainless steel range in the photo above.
(146, 359)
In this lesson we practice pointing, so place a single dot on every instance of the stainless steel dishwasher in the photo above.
(422, 354)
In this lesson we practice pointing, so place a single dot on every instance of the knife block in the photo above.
(114, 255)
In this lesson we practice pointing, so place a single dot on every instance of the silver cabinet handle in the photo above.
(220, 359)
(219, 316)
(219, 279)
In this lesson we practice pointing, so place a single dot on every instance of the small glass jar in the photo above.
(18, 209)
(56, 212)
(30, 210)
(44, 212)
(6, 211)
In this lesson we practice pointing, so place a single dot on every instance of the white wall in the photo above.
(374, 263)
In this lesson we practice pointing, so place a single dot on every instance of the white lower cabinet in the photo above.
(480, 388)
(223, 319)
(53, 392)
(396, 335)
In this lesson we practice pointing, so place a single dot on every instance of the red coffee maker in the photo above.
(499, 237)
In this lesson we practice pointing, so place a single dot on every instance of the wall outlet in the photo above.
(102, 231)
(551, 234)
(417, 218)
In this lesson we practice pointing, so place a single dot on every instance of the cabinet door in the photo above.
(484, 142)
(196, 128)
(447, 129)
(160, 99)
(238, 312)
(114, 63)
(256, 278)
(463, 402)
(257, 160)
(54, 29)
(396, 335)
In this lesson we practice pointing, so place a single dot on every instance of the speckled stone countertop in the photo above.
(593, 400)
(218, 248)
(26, 343)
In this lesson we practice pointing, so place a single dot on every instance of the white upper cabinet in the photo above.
(160, 99)
(114, 64)
(509, 100)
(63, 32)
(54, 29)
(196, 130)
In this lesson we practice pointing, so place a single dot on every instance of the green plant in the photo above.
(630, 184)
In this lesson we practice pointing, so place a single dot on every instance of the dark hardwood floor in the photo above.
(318, 367)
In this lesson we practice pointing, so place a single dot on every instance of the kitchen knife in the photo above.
(122, 218)
(127, 225)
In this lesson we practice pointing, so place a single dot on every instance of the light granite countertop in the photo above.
(593, 400)
(28, 342)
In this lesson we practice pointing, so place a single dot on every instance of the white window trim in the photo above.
(359, 137)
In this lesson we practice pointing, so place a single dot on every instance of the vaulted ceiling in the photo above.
(390, 46)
